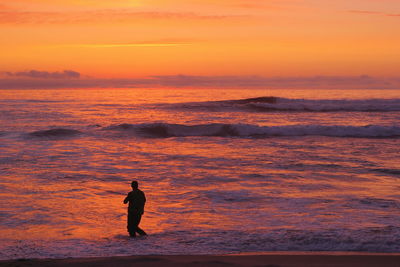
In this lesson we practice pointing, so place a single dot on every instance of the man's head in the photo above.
(134, 185)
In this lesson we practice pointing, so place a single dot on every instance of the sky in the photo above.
(200, 42)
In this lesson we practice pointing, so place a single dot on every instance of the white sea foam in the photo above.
(373, 239)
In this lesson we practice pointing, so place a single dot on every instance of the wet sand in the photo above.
(275, 259)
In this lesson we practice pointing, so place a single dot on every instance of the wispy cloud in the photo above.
(367, 12)
(263, 4)
(163, 42)
(66, 74)
(150, 44)
(363, 81)
(101, 16)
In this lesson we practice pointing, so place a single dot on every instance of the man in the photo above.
(136, 199)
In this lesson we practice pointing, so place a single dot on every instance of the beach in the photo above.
(273, 259)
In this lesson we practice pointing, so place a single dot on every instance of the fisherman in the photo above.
(137, 200)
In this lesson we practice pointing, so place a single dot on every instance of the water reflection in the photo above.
(198, 188)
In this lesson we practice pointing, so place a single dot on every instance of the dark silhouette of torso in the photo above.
(137, 200)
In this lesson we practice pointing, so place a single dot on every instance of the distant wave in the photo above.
(388, 171)
(166, 130)
(57, 132)
(271, 104)
(39, 101)
(163, 130)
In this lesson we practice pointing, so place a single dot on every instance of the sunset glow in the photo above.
(269, 38)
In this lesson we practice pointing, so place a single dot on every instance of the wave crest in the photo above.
(164, 130)
(271, 104)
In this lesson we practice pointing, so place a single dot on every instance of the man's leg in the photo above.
(138, 229)
(131, 224)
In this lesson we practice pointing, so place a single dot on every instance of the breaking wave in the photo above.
(271, 104)
(163, 130)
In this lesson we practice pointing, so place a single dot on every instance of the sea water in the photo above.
(224, 171)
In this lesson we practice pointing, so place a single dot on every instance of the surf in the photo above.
(280, 104)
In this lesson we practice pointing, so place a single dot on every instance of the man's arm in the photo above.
(126, 199)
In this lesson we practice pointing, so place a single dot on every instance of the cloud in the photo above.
(363, 81)
(262, 4)
(141, 44)
(66, 74)
(14, 83)
(163, 42)
(101, 16)
(189, 81)
(367, 12)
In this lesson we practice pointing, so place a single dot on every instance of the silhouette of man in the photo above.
(136, 199)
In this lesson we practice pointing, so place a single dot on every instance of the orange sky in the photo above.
(138, 38)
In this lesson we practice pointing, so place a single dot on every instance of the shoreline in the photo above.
(270, 259)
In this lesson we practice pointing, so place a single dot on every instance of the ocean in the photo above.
(224, 171)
